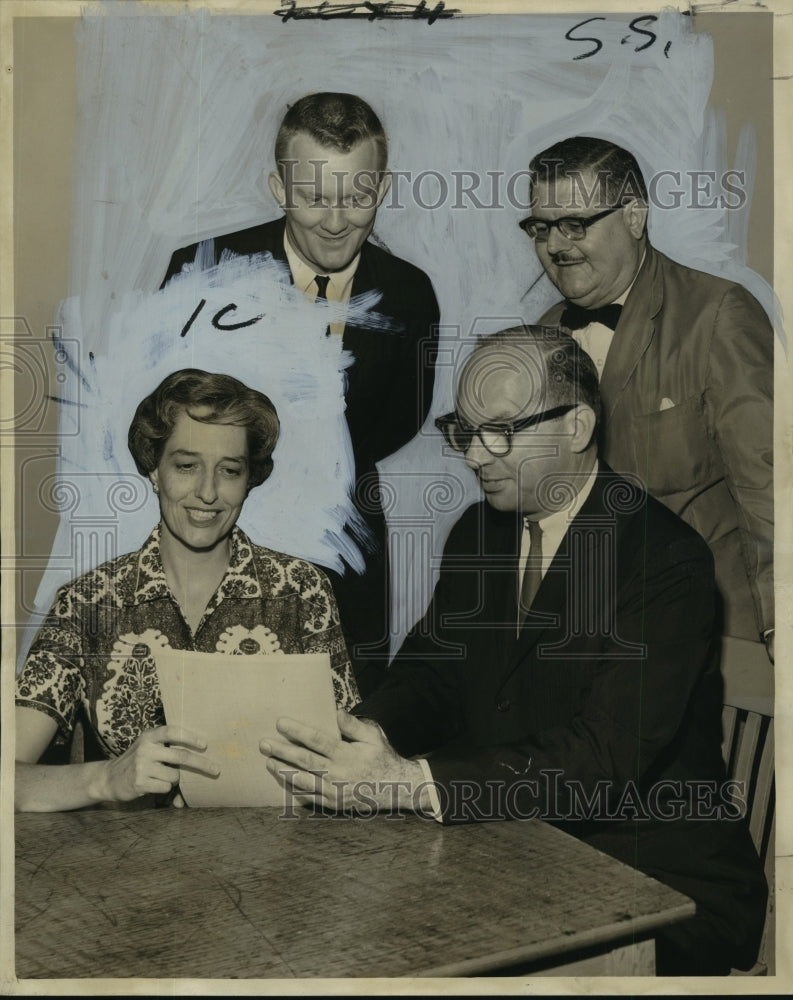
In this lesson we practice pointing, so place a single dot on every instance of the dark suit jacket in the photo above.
(388, 397)
(611, 695)
(706, 345)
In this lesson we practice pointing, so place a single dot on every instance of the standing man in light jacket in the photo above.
(685, 362)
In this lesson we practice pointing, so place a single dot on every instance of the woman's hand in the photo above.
(151, 765)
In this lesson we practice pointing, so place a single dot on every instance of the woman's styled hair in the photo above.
(211, 399)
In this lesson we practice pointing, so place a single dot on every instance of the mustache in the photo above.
(565, 257)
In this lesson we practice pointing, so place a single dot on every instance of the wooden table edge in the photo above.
(620, 932)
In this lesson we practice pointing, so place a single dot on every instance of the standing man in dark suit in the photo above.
(566, 668)
(685, 362)
(331, 154)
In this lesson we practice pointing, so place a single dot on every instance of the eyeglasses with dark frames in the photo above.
(572, 227)
(495, 437)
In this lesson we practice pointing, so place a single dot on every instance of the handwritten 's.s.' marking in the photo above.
(638, 26)
(370, 10)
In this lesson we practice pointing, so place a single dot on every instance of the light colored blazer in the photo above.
(687, 394)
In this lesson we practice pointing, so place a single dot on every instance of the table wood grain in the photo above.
(209, 893)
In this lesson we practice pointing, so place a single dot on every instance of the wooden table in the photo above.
(237, 893)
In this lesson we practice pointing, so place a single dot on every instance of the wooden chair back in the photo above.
(748, 751)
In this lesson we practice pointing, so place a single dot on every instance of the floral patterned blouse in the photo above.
(95, 646)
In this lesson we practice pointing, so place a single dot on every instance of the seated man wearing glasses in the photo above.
(685, 361)
(566, 668)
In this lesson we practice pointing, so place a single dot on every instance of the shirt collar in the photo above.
(621, 300)
(303, 275)
(558, 521)
(240, 579)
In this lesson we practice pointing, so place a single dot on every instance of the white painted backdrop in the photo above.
(178, 115)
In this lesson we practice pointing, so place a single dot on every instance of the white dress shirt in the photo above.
(553, 528)
(596, 338)
(339, 285)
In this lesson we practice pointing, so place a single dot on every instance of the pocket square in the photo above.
(666, 403)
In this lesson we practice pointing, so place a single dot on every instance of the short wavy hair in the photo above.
(211, 399)
(335, 120)
(616, 168)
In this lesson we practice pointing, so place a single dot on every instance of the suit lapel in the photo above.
(556, 596)
(633, 334)
(497, 596)
(362, 280)
(273, 241)
(548, 607)
(353, 339)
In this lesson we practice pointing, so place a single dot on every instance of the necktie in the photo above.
(322, 285)
(532, 575)
(322, 281)
(576, 318)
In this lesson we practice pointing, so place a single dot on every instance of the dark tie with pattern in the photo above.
(532, 575)
(576, 318)
(322, 281)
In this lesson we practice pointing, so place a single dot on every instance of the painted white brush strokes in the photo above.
(305, 504)
(178, 120)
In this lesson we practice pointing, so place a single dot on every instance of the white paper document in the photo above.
(233, 702)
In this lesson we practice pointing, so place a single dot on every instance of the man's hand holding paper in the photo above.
(357, 770)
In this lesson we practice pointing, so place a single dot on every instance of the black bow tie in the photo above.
(575, 318)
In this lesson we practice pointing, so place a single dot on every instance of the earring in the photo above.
(156, 488)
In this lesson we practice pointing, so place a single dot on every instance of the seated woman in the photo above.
(203, 440)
